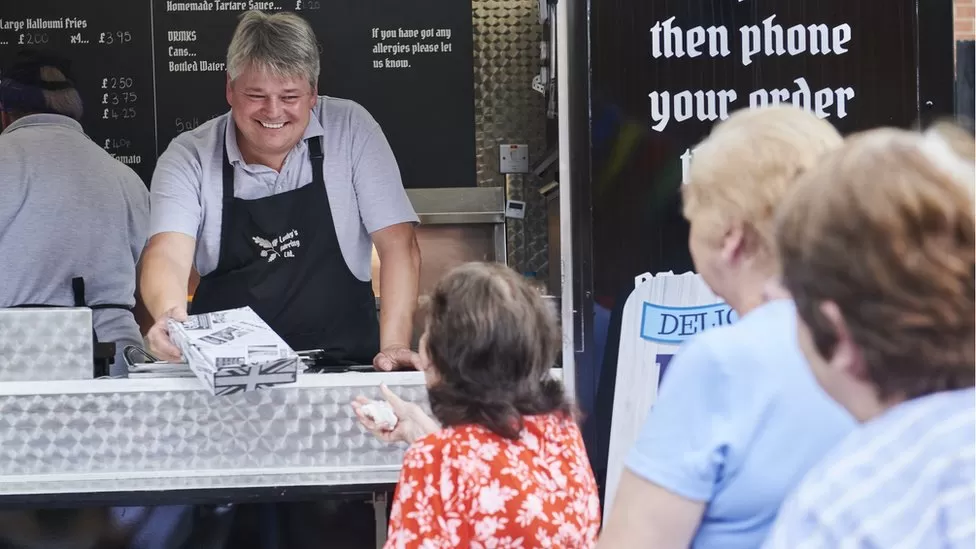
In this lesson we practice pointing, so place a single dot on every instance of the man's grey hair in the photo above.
(67, 101)
(283, 44)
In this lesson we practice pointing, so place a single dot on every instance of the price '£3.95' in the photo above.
(114, 37)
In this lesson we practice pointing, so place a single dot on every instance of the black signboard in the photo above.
(664, 72)
(110, 47)
(151, 69)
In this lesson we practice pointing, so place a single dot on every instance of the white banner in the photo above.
(663, 311)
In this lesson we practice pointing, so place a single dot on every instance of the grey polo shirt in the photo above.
(69, 209)
(362, 181)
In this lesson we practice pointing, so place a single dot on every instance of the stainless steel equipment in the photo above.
(457, 225)
(46, 343)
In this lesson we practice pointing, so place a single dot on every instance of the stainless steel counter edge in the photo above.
(220, 486)
(162, 384)
(554, 300)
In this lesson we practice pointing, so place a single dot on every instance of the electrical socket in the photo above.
(513, 158)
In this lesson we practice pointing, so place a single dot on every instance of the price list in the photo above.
(109, 46)
(149, 70)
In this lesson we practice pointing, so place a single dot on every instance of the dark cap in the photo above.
(21, 86)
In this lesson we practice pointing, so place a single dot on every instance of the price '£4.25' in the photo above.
(124, 113)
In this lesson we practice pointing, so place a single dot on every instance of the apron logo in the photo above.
(279, 247)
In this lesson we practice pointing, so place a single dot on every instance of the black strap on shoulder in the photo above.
(228, 176)
(317, 158)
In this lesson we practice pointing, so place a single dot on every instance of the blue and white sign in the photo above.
(662, 312)
(673, 325)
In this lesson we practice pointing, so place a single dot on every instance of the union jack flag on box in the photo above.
(234, 351)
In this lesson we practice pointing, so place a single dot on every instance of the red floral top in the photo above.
(467, 487)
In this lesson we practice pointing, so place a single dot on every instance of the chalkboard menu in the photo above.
(151, 69)
(664, 72)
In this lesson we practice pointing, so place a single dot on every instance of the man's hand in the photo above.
(396, 357)
(163, 274)
(160, 344)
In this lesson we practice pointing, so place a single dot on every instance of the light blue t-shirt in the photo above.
(738, 421)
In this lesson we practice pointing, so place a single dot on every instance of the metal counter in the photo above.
(124, 440)
(157, 440)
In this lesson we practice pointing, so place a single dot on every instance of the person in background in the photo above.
(69, 212)
(508, 468)
(73, 220)
(878, 255)
(739, 418)
(278, 203)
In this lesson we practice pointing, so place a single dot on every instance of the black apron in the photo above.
(280, 255)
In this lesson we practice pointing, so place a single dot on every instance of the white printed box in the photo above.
(234, 351)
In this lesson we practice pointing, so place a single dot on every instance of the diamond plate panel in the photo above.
(168, 432)
(60, 338)
(506, 49)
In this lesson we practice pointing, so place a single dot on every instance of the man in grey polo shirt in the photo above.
(277, 204)
(73, 220)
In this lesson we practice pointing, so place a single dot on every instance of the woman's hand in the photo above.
(412, 422)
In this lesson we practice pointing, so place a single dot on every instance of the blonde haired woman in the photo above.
(739, 418)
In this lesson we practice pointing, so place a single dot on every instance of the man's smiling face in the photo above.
(271, 112)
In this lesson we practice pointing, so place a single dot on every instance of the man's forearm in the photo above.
(142, 315)
(399, 285)
(164, 272)
(162, 285)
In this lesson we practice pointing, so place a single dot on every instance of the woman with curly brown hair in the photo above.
(506, 464)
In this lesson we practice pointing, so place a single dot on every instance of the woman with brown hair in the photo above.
(879, 250)
(506, 464)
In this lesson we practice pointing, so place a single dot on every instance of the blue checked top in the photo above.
(904, 480)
